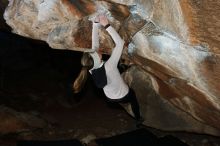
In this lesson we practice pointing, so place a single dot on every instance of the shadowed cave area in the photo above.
(36, 98)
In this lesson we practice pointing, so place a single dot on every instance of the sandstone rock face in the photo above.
(174, 46)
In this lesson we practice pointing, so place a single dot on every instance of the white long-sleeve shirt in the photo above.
(95, 36)
(116, 88)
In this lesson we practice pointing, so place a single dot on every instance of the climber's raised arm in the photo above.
(95, 34)
(119, 42)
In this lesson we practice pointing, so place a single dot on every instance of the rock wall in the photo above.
(174, 44)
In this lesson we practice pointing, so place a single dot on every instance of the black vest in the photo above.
(99, 76)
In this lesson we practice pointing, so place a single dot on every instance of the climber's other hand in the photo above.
(103, 20)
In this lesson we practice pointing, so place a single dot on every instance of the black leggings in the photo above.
(130, 98)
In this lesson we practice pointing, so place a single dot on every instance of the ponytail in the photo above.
(80, 80)
(87, 63)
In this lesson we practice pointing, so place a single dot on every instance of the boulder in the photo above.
(173, 46)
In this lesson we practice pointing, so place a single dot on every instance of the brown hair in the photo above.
(87, 64)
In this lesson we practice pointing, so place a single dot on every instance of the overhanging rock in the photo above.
(174, 43)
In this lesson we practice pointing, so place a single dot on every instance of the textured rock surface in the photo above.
(175, 44)
(13, 121)
(158, 112)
